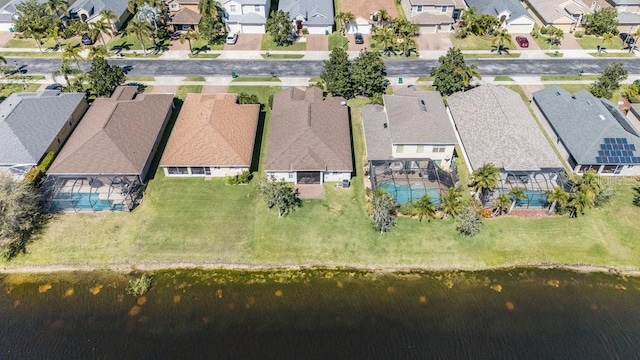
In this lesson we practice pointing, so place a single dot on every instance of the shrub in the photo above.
(33, 176)
(543, 30)
(469, 223)
(579, 33)
(244, 98)
(140, 285)
(46, 161)
(603, 197)
(305, 31)
(242, 178)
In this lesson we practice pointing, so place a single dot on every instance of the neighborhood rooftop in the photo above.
(551, 10)
(584, 123)
(495, 126)
(495, 7)
(30, 123)
(308, 132)
(116, 135)
(212, 130)
(315, 12)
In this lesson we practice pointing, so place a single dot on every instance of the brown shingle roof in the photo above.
(186, 16)
(308, 132)
(116, 135)
(212, 130)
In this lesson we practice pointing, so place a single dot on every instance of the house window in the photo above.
(443, 9)
(399, 149)
(420, 149)
(419, 9)
(177, 171)
(439, 149)
(174, 6)
(197, 171)
(186, 27)
(257, 8)
(232, 8)
(290, 176)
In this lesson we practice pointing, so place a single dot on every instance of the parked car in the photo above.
(522, 41)
(359, 38)
(87, 40)
(54, 86)
(626, 37)
(232, 38)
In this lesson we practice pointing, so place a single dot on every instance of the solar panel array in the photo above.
(617, 151)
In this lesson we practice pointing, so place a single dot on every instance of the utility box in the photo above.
(345, 183)
(234, 75)
(399, 80)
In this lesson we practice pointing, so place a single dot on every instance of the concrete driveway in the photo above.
(357, 47)
(569, 43)
(246, 42)
(317, 43)
(5, 36)
(533, 45)
(440, 41)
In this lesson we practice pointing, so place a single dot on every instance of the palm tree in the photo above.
(55, 33)
(501, 38)
(149, 14)
(57, 8)
(98, 51)
(65, 71)
(516, 194)
(37, 36)
(72, 51)
(101, 27)
(485, 179)
(408, 45)
(579, 201)
(451, 202)
(558, 198)
(110, 17)
(188, 36)
(424, 208)
(134, 5)
(502, 204)
(344, 19)
(606, 38)
(209, 8)
(140, 29)
(589, 182)
(467, 73)
(387, 38)
(382, 16)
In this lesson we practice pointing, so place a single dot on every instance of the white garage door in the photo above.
(319, 30)
(233, 28)
(359, 28)
(253, 29)
(428, 29)
(519, 28)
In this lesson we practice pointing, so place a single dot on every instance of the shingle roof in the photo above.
(495, 126)
(248, 18)
(625, 2)
(456, 3)
(377, 138)
(427, 18)
(94, 7)
(212, 130)
(628, 18)
(30, 123)
(116, 135)
(495, 7)
(551, 10)
(247, 2)
(186, 16)
(308, 132)
(582, 121)
(316, 12)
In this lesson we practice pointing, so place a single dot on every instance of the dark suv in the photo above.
(359, 38)
(87, 40)
(627, 38)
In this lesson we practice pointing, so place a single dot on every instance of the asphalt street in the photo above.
(307, 68)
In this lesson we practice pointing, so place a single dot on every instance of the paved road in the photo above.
(302, 68)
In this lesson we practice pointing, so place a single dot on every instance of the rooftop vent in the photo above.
(601, 117)
(557, 93)
(343, 103)
(385, 125)
(423, 106)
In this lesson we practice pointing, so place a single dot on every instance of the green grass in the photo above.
(25, 77)
(425, 78)
(194, 78)
(568, 77)
(282, 56)
(502, 78)
(472, 42)
(203, 44)
(268, 44)
(37, 54)
(130, 42)
(541, 40)
(491, 55)
(610, 55)
(183, 90)
(8, 89)
(588, 42)
(572, 88)
(140, 78)
(337, 40)
(204, 56)
(554, 54)
(256, 79)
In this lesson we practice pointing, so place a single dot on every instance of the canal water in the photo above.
(322, 314)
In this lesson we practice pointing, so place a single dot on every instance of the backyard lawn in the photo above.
(269, 44)
(196, 221)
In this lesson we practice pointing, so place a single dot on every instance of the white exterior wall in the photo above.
(410, 151)
(234, 28)
(633, 170)
(431, 9)
(284, 176)
(215, 171)
(360, 26)
(252, 29)
(238, 8)
(246, 9)
(324, 176)
(318, 30)
(336, 176)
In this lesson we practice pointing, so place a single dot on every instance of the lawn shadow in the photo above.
(257, 146)
(200, 49)
(165, 138)
(119, 48)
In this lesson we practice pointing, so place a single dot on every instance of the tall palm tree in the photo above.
(101, 27)
(387, 38)
(467, 73)
(54, 33)
(516, 194)
(344, 19)
(37, 36)
(149, 14)
(408, 45)
(485, 179)
(65, 71)
(580, 201)
(558, 198)
(72, 51)
(589, 182)
(424, 208)
(501, 38)
(451, 202)
(382, 17)
(502, 204)
(189, 36)
(606, 38)
(209, 8)
(98, 51)
(134, 5)
(57, 8)
(110, 17)
(140, 29)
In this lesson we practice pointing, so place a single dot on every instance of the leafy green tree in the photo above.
(280, 27)
(485, 179)
(609, 81)
(336, 74)
(34, 17)
(344, 19)
(554, 35)
(602, 21)
(212, 29)
(451, 202)
(278, 195)
(501, 38)
(469, 223)
(104, 78)
(516, 194)
(369, 74)
(453, 74)
(20, 215)
(141, 30)
(244, 98)
(383, 212)
(558, 199)
(502, 204)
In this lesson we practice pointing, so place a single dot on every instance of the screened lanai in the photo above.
(535, 184)
(411, 179)
(95, 193)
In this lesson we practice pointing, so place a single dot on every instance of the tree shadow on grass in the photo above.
(200, 49)
(119, 48)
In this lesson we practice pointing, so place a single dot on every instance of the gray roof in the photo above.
(456, 3)
(412, 116)
(495, 126)
(583, 121)
(30, 123)
(248, 18)
(94, 7)
(551, 10)
(628, 18)
(495, 7)
(247, 2)
(315, 12)
(625, 2)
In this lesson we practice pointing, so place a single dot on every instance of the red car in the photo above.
(522, 41)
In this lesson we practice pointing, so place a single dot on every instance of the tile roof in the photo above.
(186, 16)
(552, 10)
(116, 135)
(427, 18)
(495, 7)
(94, 7)
(583, 121)
(456, 3)
(246, 2)
(495, 126)
(315, 12)
(212, 130)
(30, 123)
(308, 132)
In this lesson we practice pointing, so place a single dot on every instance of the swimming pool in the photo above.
(405, 193)
(82, 201)
(534, 198)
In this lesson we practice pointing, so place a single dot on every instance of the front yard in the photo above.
(592, 42)
(269, 44)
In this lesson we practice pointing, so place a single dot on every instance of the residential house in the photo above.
(184, 15)
(309, 138)
(433, 16)
(628, 14)
(590, 133)
(213, 136)
(89, 10)
(314, 15)
(246, 16)
(495, 126)
(562, 14)
(410, 144)
(106, 161)
(33, 124)
(513, 16)
(366, 14)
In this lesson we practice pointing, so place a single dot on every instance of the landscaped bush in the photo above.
(242, 178)
(305, 31)
(469, 222)
(543, 30)
(46, 161)
(579, 34)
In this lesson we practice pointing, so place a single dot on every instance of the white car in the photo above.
(232, 38)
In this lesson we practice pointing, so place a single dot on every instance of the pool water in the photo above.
(534, 198)
(82, 201)
(405, 193)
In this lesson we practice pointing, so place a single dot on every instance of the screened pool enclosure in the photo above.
(93, 193)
